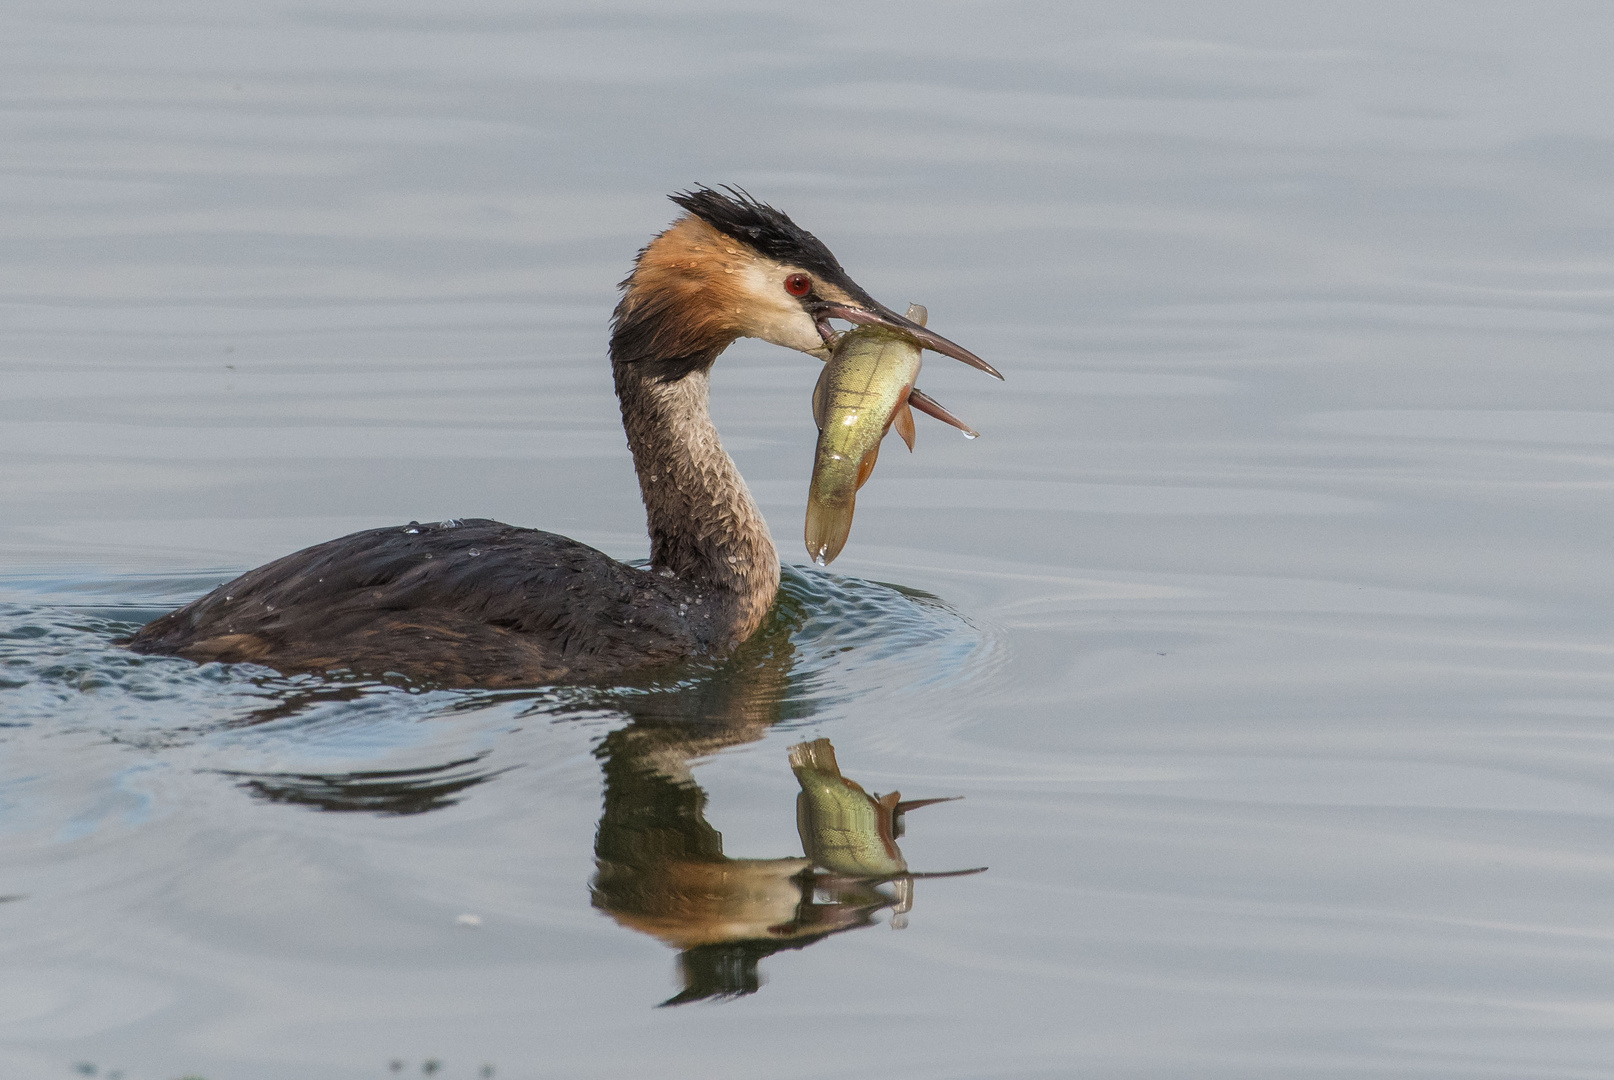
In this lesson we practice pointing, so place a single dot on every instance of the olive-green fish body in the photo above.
(861, 393)
(843, 828)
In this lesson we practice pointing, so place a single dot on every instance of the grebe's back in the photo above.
(458, 603)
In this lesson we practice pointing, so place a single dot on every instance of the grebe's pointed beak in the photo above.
(870, 312)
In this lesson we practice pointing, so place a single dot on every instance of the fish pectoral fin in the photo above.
(931, 407)
(889, 822)
(865, 468)
(821, 397)
(903, 422)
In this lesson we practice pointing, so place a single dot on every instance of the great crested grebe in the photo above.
(479, 603)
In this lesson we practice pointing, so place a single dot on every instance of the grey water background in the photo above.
(1274, 660)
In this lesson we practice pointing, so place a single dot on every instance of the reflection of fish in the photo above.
(661, 868)
(843, 828)
(861, 393)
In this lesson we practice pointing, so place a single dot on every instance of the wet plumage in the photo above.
(475, 603)
(479, 603)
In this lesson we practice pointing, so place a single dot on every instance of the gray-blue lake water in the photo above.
(1268, 630)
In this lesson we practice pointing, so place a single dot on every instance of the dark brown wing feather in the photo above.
(474, 603)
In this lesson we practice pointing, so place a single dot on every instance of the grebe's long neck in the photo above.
(704, 526)
(680, 309)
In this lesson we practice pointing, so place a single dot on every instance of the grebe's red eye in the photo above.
(798, 284)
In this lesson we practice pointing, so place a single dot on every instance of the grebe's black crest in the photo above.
(770, 232)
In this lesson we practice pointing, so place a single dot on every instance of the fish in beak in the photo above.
(863, 310)
(865, 389)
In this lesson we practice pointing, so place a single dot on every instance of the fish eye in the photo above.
(798, 284)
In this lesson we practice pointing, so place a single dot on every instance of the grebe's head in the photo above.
(734, 267)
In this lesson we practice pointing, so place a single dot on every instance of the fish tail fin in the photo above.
(827, 528)
(817, 756)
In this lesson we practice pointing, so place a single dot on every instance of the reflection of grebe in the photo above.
(477, 603)
(660, 866)
(662, 871)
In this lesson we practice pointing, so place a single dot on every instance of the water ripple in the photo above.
(828, 641)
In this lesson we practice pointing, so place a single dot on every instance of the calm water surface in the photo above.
(1266, 631)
